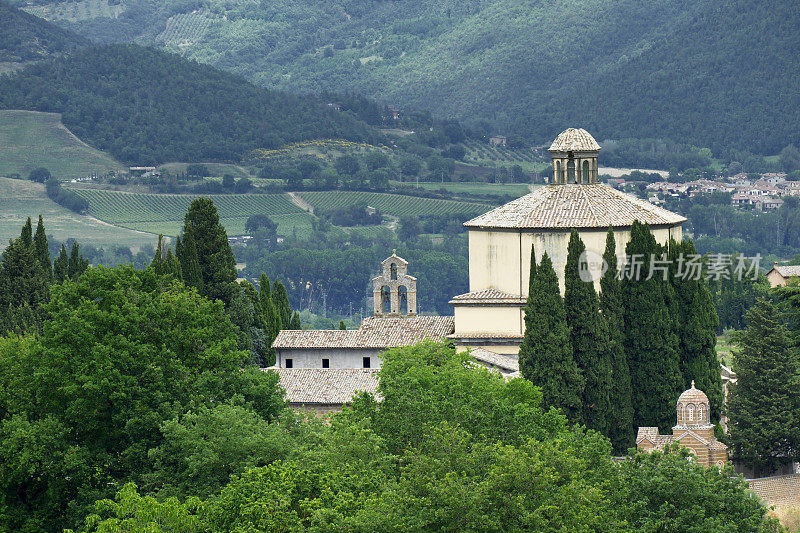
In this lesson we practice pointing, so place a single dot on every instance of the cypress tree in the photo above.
(697, 324)
(172, 265)
(214, 255)
(587, 337)
(42, 251)
(26, 237)
(281, 301)
(60, 266)
(342, 327)
(190, 267)
(77, 264)
(264, 292)
(764, 404)
(272, 327)
(295, 324)
(620, 429)
(650, 341)
(545, 356)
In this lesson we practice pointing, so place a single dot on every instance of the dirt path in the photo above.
(299, 202)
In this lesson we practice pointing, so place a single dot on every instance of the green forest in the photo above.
(147, 107)
(715, 74)
(31, 39)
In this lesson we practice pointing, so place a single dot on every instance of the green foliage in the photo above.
(171, 121)
(545, 355)
(124, 351)
(452, 447)
(202, 449)
(214, 256)
(764, 404)
(651, 343)
(666, 491)
(621, 430)
(32, 38)
(24, 281)
(39, 175)
(697, 326)
(61, 266)
(588, 339)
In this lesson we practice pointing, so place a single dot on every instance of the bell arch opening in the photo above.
(402, 299)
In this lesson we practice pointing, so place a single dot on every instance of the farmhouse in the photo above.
(490, 315)
(781, 275)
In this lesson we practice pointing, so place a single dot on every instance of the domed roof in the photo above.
(693, 395)
(574, 140)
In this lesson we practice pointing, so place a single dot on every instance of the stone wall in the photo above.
(777, 490)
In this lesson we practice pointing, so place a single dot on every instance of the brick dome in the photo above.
(693, 395)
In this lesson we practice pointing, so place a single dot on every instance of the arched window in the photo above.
(386, 299)
(701, 413)
(680, 415)
(690, 413)
(559, 179)
(393, 271)
(571, 170)
(585, 172)
(402, 298)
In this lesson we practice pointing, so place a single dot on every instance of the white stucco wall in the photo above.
(501, 259)
(339, 357)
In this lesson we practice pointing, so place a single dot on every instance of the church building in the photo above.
(490, 316)
(693, 430)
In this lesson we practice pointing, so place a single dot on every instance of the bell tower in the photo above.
(574, 154)
(394, 292)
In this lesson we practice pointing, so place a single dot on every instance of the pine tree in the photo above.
(764, 404)
(587, 338)
(620, 429)
(217, 265)
(651, 346)
(545, 356)
(42, 251)
(77, 264)
(60, 266)
(281, 301)
(697, 324)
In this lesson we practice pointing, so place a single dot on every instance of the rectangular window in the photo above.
(366, 362)
(326, 363)
(289, 363)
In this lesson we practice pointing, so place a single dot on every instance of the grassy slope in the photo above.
(30, 139)
(20, 199)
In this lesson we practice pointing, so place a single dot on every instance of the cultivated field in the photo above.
(215, 169)
(75, 11)
(164, 213)
(392, 204)
(185, 28)
(20, 199)
(29, 139)
(487, 189)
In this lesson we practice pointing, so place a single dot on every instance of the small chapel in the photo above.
(693, 430)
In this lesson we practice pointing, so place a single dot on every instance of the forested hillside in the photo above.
(710, 73)
(146, 106)
(24, 37)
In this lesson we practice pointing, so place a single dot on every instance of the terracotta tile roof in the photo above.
(574, 206)
(488, 296)
(325, 385)
(486, 336)
(375, 332)
(574, 140)
(787, 270)
(508, 363)
(650, 433)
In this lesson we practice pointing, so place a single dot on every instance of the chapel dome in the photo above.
(693, 396)
(574, 140)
